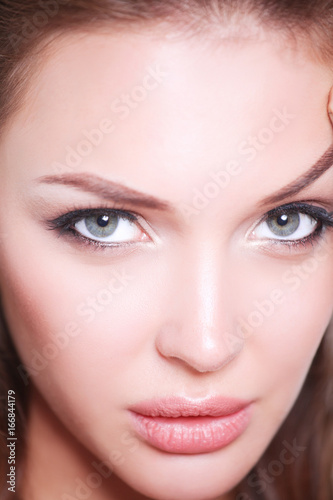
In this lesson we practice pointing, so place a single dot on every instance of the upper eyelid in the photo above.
(79, 214)
(84, 212)
(301, 207)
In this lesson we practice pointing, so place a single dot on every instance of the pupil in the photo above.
(103, 220)
(283, 220)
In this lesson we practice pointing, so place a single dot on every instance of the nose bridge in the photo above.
(204, 285)
(199, 328)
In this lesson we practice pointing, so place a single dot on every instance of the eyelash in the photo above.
(65, 222)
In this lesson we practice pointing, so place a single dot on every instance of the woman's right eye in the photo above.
(108, 228)
(105, 227)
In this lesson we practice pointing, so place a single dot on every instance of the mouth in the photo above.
(181, 425)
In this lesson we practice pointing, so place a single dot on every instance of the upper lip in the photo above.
(216, 406)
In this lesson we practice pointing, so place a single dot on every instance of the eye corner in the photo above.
(251, 236)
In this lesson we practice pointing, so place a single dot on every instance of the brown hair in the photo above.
(26, 28)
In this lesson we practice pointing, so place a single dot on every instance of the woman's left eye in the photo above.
(293, 223)
(292, 226)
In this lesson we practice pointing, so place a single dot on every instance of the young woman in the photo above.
(166, 250)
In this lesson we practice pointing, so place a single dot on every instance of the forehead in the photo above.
(87, 70)
(182, 104)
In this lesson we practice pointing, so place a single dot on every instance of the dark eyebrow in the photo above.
(317, 170)
(106, 189)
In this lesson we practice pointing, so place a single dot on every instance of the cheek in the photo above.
(282, 338)
(87, 367)
(79, 327)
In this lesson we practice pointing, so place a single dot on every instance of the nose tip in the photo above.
(202, 349)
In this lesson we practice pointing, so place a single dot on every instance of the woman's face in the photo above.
(139, 261)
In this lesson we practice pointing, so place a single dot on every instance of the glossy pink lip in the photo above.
(181, 425)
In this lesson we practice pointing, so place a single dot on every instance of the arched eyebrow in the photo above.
(317, 170)
(117, 192)
(107, 190)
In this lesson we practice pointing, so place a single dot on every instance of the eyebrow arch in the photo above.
(317, 170)
(106, 189)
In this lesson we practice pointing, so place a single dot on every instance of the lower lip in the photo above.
(191, 434)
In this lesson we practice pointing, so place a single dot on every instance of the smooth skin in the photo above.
(195, 268)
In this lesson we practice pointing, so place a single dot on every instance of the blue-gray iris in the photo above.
(284, 225)
(102, 226)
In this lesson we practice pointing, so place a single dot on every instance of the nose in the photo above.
(199, 332)
(201, 348)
